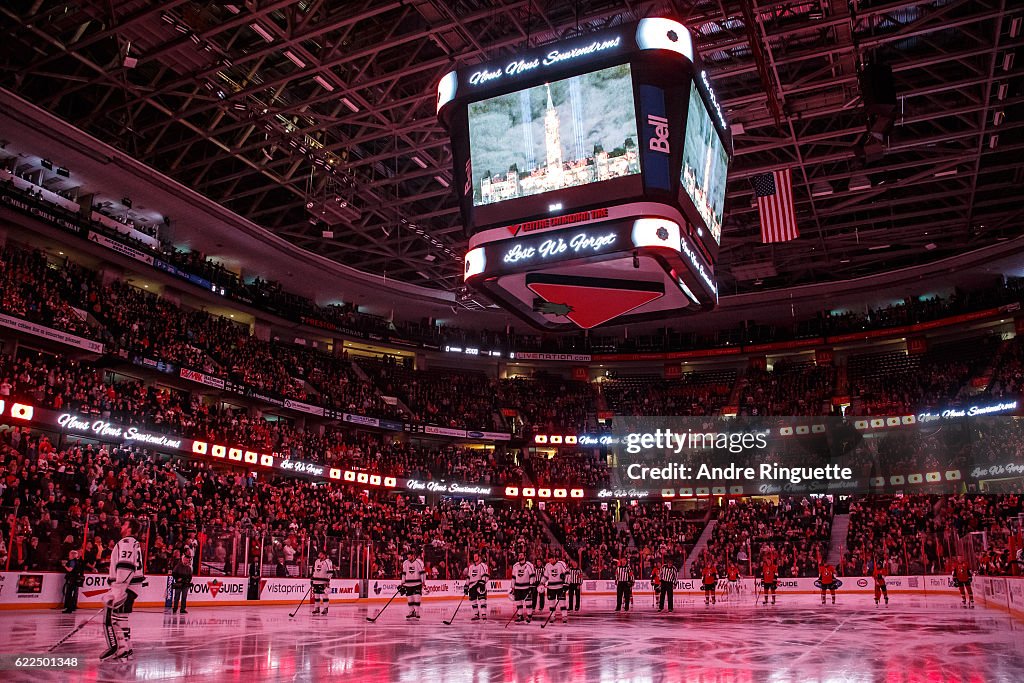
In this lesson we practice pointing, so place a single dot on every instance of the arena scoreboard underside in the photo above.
(591, 177)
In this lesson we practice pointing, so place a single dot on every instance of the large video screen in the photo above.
(567, 133)
(705, 165)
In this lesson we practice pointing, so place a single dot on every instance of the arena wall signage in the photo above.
(40, 590)
(202, 378)
(1004, 471)
(973, 411)
(526, 65)
(112, 431)
(623, 493)
(557, 246)
(443, 487)
(571, 357)
(51, 334)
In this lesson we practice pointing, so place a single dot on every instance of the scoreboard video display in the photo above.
(591, 170)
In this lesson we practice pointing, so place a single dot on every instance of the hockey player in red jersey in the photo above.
(878, 574)
(827, 581)
(733, 575)
(962, 580)
(709, 577)
(770, 578)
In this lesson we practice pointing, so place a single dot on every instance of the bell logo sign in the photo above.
(659, 138)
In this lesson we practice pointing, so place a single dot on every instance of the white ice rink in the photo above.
(798, 640)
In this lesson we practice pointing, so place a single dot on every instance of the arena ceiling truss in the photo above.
(280, 109)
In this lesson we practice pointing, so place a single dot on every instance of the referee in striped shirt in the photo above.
(573, 582)
(623, 585)
(668, 584)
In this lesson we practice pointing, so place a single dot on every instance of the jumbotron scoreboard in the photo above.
(591, 177)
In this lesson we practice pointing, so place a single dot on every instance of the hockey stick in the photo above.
(76, 630)
(551, 614)
(514, 613)
(449, 621)
(374, 619)
(757, 592)
(301, 603)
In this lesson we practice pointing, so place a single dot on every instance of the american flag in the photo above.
(774, 192)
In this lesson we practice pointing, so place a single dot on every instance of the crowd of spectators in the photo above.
(1007, 380)
(54, 499)
(548, 404)
(659, 532)
(922, 534)
(570, 469)
(449, 397)
(33, 289)
(897, 383)
(695, 393)
(789, 389)
(589, 533)
(794, 531)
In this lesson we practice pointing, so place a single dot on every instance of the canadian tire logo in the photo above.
(215, 587)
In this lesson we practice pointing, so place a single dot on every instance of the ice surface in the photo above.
(798, 640)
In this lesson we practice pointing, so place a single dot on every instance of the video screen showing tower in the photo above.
(572, 132)
(705, 165)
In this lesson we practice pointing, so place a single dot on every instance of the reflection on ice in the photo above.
(797, 641)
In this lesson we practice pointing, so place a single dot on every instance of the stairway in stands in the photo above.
(365, 377)
(836, 545)
(737, 389)
(699, 547)
(553, 538)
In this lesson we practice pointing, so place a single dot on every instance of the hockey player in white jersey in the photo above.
(524, 579)
(323, 569)
(412, 584)
(125, 577)
(553, 581)
(476, 587)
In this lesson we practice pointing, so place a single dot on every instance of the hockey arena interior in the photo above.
(536, 341)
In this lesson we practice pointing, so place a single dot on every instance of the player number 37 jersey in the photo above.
(126, 562)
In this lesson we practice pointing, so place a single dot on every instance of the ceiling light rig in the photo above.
(431, 240)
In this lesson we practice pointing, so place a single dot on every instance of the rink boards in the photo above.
(37, 590)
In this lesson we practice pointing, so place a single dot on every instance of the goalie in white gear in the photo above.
(476, 587)
(524, 588)
(323, 568)
(413, 573)
(125, 577)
